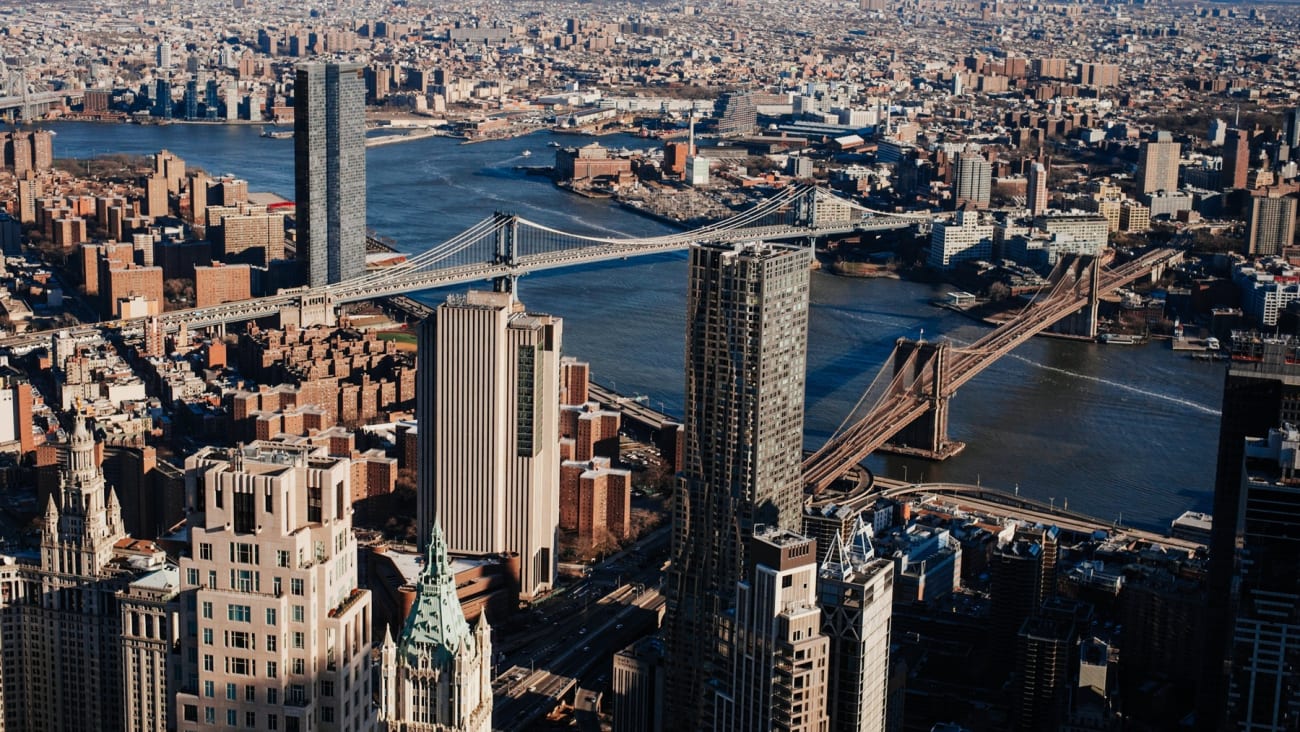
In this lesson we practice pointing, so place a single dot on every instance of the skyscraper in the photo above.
(1271, 225)
(856, 592)
(488, 403)
(1291, 128)
(1158, 164)
(1236, 159)
(279, 632)
(1261, 392)
(1037, 195)
(972, 180)
(438, 674)
(779, 656)
(746, 344)
(330, 170)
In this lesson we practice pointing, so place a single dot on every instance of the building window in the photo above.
(299, 666)
(212, 579)
(241, 553)
(250, 720)
(281, 558)
(232, 692)
(295, 586)
(245, 513)
(208, 663)
(271, 642)
(297, 613)
(232, 718)
(207, 636)
(241, 580)
(209, 689)
(298, 639)
(526, 386)
(327, 688)
(205, 551)
(271, 669)
(270, 616)
(239, 639)
(239, 613)
(327, 714)
(273, 721)
(272, 695)
(313, 504)
(207, 610)
(210, 715)
(192, 577)
(250, 693)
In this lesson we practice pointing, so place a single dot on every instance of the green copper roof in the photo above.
(436, 624)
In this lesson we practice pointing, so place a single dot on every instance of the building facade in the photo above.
(488, 403)
(437, 677)
(280, 635)
(746, 348)
(1158, 164)
(330, 170)
(1271, 226)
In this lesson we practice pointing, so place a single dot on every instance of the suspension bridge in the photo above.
(504, 247)
(907, 401)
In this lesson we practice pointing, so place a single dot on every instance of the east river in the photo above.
(1114, 431)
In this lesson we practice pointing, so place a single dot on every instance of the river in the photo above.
(1112, 431)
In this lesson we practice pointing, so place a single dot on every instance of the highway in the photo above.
(573, 632)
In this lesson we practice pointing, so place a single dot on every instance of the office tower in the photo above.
(163, 55)
(1036, 197)
(1158, 164)
(1044, 656)
(779, 656)
(972, 180)
(438, 674)
(162, 102)
(488, 404)
(330, 170)
(1236, 159)
(639, 687)
(1023, 576)
(1261, 392)
(746, 344)
(279, 631)
(1264, 685)
(62, 660)
(1291, 128)
(856, 593)
(1271, 225)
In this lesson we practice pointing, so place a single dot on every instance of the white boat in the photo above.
(1211, 344)
(1120, 339)
(526, 153)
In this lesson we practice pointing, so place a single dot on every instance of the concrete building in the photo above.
(972, 181)
(1158, 164)
(1271, 226)
(280, 633)
(437, 676)
(1236, 159)
(779, 664)
(1037, 194)
(63, 661)
(488, 403)
(968, 236)
(595, 501)
(638, 686)
(221, 283)
(1045, 655)
(330, 171)
(745, 361)
(855, 590)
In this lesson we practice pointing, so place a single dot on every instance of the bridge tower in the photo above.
(805, 211)
(1083, 323)
(507, 238)
(926, 437)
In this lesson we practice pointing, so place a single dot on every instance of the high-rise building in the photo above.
(62, 663)
(1236, 159)
(1045, 647)
(330, 170)
(488, 403)
(1271, 226)
(746, 348)
(972, 181)
(1264, 685)
(969, 236)
(437, 676)
(1037, 193)
(1291, 128)
(1261, 391)
(779, 657)
(1218, 133)
(856, 593)
(1158, 164)
(279, 632)
(638, 685)
(737, 113)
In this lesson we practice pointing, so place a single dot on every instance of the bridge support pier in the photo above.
(309, 309)
(927, 437)
(1083, 323)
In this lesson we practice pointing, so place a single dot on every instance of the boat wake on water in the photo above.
(1195, 406)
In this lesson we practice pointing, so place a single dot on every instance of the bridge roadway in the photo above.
(900, 407)
(18, 101)
(995, 502)
(375, 285)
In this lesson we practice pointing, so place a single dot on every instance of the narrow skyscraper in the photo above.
(1037, 198)
(330, 170)
(488, 403)
(1158, 164)
(746, 344)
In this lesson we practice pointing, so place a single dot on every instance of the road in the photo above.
(573, 632)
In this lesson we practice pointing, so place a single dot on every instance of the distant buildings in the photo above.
(1036, 199)
(1271, 226)
(745, 357)
(488, 403)
(972, 181)
(330, 171)
(1236, 159)
(969, 236)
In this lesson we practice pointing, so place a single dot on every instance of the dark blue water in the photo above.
(1113, 430)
